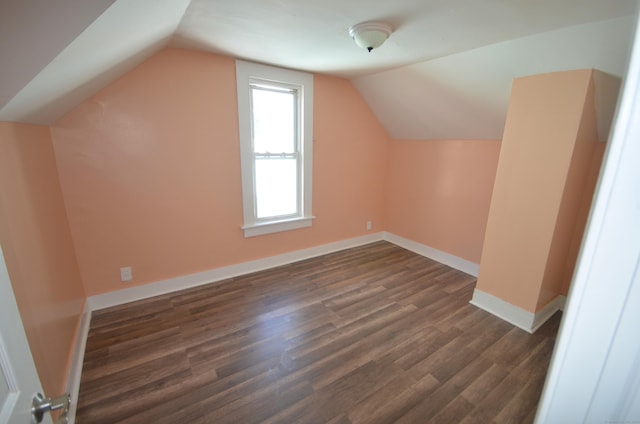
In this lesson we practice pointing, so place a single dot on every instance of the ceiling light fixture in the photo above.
(370, 35)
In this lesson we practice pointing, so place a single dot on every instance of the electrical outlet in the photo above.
(369, 225)
(126, 274)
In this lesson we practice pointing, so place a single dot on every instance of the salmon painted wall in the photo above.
(606, 89)
(38, 250)
(576, 201)
(440, 191)
(582, 215)
(150, 172)
(543, 121)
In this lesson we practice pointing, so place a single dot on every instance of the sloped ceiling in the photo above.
(466, 95)
(445, 72)
(30, 40)
(108, 46)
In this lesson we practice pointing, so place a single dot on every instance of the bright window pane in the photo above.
(273, 121)
(276, 187)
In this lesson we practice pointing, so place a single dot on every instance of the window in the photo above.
(275, 112)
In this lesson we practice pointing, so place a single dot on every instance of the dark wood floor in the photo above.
(374, 334)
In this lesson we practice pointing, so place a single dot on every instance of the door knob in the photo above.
(41, 405)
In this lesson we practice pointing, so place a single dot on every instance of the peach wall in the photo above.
(606, 89)
(440, 191)
(543, 121)
(150, 172)
(576, 202)
(582, 215)
(38, 250)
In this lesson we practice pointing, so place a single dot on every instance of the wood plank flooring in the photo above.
(374, 334)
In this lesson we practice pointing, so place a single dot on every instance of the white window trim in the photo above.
(247, 72)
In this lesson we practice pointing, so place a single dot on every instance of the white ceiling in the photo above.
(32, 35)
(54, 55)
(108, 46)
(312, 34)
(466, 95)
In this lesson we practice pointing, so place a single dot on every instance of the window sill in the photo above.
(277, 226)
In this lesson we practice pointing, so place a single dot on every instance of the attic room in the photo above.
(450, 178)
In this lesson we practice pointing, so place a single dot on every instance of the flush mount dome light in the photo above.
(370, 35)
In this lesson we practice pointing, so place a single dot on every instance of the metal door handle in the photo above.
(41, 405)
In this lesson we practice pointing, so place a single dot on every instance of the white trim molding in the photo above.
(249, 75)
(277, 226)
(131, 294)
(445, 258)
(528, 321)
(75, 368)
(543, 315)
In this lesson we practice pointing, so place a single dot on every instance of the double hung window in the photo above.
(275, 114)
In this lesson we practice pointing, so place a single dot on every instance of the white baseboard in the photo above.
(75, 369)
(448, 259)
(131, 294)
(528, 321)
(557, 304)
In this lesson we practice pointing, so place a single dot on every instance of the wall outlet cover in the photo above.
(126, 274)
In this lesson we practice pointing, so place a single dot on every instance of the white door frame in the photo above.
(17, 368)
(594, 374)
